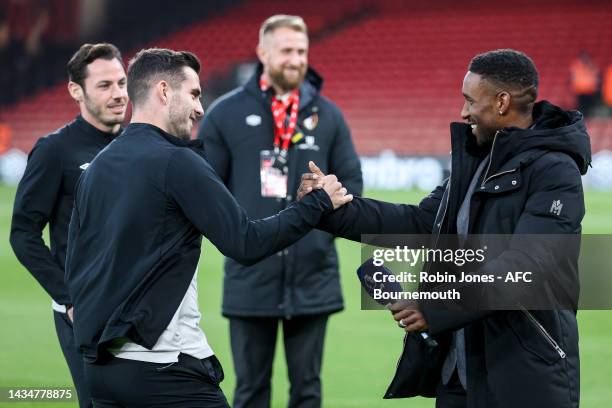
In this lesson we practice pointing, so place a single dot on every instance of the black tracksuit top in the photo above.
(45, 196)
(140, 211)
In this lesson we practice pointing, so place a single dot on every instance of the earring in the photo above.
(501, 113)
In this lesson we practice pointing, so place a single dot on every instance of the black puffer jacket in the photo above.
(303, 279)
(510, 361)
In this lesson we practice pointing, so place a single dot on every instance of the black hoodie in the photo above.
(510, 363)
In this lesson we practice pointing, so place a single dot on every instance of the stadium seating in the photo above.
(221, 41)
(396, 73)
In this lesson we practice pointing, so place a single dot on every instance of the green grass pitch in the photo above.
(361, 350)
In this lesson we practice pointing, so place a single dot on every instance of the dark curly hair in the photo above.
(510, 69)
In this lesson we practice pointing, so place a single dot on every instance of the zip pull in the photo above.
(544, 333)
(561, 352)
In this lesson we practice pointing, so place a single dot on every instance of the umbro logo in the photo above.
(84, 166)
(253, 120)
(556, 207)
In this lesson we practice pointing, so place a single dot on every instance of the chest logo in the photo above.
(556, 207)
(312, 121)
(84, 166)
(309, 144)
(253, 120)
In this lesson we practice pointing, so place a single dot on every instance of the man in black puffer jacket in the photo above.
(515, 169)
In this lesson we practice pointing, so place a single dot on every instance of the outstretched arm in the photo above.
(208, 204)
(368, 216)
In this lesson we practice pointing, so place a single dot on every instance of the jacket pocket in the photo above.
(534, 337)
(502, 182)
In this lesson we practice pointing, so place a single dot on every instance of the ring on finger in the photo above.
(401, 324)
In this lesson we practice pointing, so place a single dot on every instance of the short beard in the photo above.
(486, 141)
(278, 78)
(175, 119)
(96, 112)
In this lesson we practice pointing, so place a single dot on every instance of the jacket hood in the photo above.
(554, 129)
(312, 85)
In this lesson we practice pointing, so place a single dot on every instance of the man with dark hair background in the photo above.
(259, 139)
(135, 235)
(516, 167)
(97, 82)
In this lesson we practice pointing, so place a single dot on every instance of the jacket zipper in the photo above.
(490, 159)
(486, 179)
(397, 365)
(399, 360)
(544, 333)
(439, 225)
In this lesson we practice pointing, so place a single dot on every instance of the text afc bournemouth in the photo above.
(450, 294)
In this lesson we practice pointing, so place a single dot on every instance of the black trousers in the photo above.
(129, 383)
(451, 395)
(253, 342)
(65, 334)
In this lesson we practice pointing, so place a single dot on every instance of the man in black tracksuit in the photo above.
(135, 235)
(515, 169)
(300, 286)
(46, 192)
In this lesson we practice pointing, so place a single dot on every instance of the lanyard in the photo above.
(283, 127)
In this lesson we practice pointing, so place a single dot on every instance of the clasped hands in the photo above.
(317, 180)
(406, 314)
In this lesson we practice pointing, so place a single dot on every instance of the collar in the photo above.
(195, 144)
(285, 98)
(90, 129)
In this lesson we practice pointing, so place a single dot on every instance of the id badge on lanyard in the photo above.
(273, 180)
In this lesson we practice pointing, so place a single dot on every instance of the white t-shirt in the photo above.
(183, 335)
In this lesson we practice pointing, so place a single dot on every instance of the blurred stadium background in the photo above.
(394, 67)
